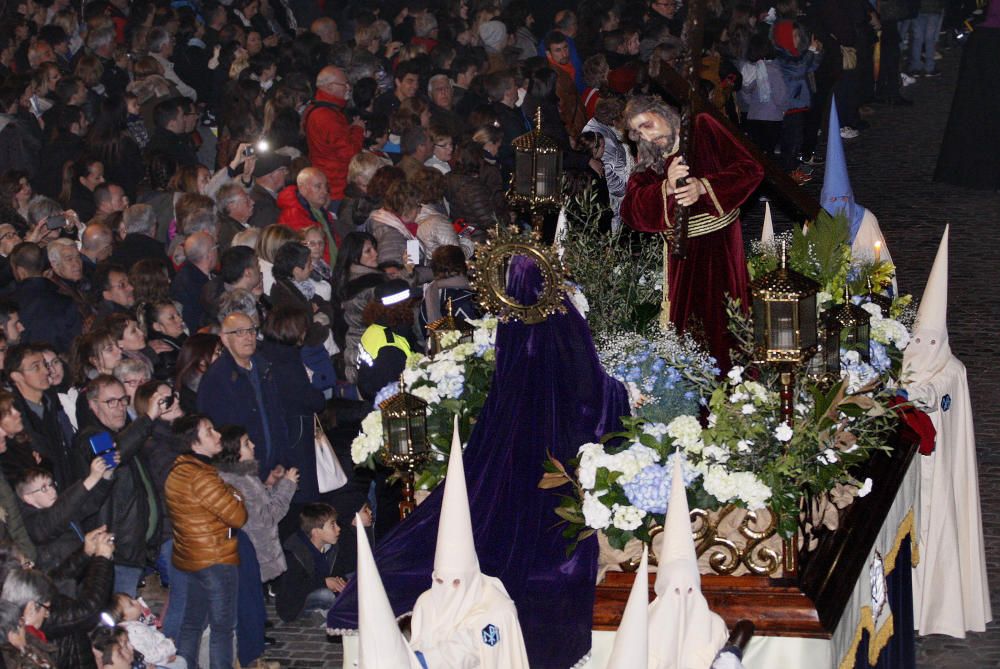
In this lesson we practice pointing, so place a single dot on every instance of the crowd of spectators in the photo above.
(225, 224)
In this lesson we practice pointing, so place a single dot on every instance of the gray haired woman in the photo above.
(20, 649)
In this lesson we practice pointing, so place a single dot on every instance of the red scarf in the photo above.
(37, 633)
(567, 68)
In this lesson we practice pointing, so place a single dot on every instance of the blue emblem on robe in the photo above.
(946, 402)
(491, 635)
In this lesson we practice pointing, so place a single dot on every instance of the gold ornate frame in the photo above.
(489, 276)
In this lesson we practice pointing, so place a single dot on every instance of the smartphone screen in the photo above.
(413, 250)
(103, 445)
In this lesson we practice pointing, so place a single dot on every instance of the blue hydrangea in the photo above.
(649, 490)
(879, 357)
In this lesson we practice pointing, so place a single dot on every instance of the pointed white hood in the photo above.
(683, 632)
(631, 642)
(929, 351)
(767, 234)
(455, 555)
(381, 644)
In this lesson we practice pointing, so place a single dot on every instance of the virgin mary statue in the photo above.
(549, 395)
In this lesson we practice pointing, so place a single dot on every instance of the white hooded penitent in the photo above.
(631, 641)
(950, 592)
(380, 644)
(683, 632)
(465, 614)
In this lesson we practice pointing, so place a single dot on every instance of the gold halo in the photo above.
(489, 276)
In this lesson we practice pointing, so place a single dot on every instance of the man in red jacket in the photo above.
(332, 140)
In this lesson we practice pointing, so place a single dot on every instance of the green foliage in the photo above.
(622, 280)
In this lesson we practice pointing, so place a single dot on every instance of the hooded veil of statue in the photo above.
(950, 592)
(683, 632)
(466, 619)
(549, 394)
(838, 196)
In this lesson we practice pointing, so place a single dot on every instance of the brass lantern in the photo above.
(881, 299)
(446, 324)
(537, 170)
(854, 324)
(404, 439)
(824, 366)
(784, 316)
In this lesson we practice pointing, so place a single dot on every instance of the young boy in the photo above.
(309, 584)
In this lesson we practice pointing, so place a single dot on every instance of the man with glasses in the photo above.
(133, 511)
(47, 315)
(240, 389)
(332, 140)
(46, 424)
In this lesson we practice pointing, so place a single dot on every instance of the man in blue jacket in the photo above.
(239, 389)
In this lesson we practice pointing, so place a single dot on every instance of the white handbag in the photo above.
(329, 474)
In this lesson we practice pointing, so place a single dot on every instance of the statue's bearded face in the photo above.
(654, 129)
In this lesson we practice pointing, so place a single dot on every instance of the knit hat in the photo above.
(494, 36)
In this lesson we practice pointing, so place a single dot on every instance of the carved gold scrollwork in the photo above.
(731, 538)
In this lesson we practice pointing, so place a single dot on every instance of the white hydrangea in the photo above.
(873, 309)
(627, 517)
(716, 453)
(595, 513)
(656, 430)
(428, 394)
(591, 456)
(735, 375)
(752, 491)
(686, 432)
(889, 331)
(369, 440)
(630, 461)
(783, 432)
(748, 409)
(822, 298)
(462, 351)
(449, 338)
(744, 446)
(726, 486)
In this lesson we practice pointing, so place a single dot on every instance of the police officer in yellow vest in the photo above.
(389, 339)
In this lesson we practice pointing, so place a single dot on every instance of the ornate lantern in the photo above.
(404, 441)
(784, 315)
(854, 324)
(824, 366)
(877, 297)
(537, 171)
(784, 324)
(447, 324)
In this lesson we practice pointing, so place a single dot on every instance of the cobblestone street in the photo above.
(890, 166)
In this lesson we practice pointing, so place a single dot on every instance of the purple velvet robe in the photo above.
(549, 395)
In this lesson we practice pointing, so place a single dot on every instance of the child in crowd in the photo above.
(312, 581)
(139, 622)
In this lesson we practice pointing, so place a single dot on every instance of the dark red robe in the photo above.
(715, 264)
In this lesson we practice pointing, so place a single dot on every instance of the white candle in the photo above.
(878, 251)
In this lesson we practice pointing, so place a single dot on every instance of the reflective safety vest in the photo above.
(375, 338)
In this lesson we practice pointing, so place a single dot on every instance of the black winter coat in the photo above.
(48, 316)
(127, 510)
(56, 531)
(71, 620)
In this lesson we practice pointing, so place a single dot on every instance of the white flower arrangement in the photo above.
(453, 382)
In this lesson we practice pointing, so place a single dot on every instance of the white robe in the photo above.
(683, 632)
(950, 591)
(486, 636)
(863, 246)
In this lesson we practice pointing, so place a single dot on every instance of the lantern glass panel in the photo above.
(418, 432)
(856, 338)
(397, 436)
(781, 325)
(831, 351)
(759, 321)
(523, 172)
(548, 174)
(807, 322)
